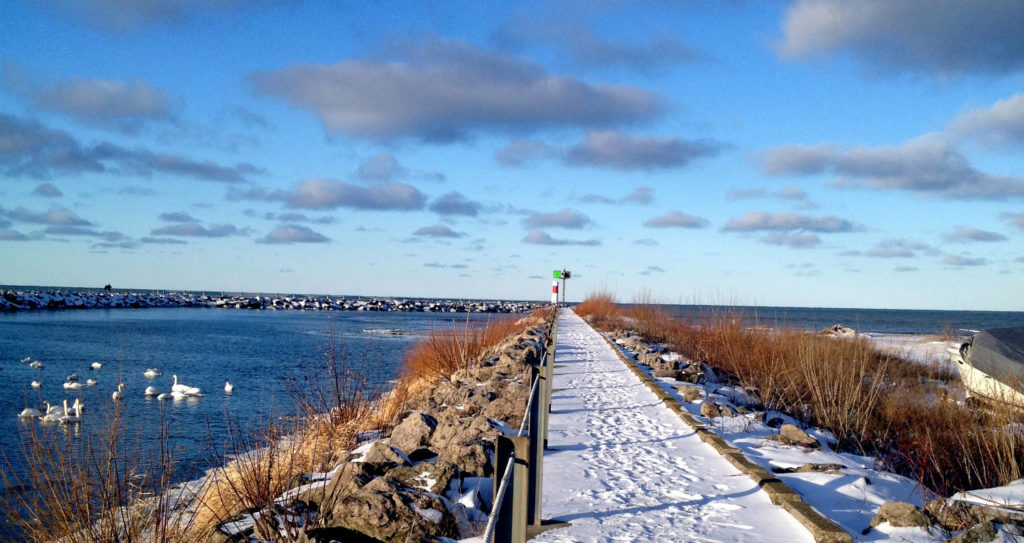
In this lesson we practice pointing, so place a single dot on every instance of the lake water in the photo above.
(267, 355)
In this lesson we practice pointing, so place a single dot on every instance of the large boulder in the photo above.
(382, 453)
(413, 433)
(472, 458)
(387, 510)
(900, 515)
(793, 435)
(432, 477)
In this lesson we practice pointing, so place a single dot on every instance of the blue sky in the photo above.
(808, 153)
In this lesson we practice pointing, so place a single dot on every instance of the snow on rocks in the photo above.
(17, 300)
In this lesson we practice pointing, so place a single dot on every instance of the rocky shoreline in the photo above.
(426, 478)
(21, 300)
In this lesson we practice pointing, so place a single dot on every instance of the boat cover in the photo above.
(998, 352)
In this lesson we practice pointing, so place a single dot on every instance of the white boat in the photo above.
(991, 365)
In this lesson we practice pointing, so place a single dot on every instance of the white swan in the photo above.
(37, 383)
(30, 413)
(164, 396)
(90, 382)
(72, 377)
(119, 392)
(151, 373)
(152, 391)
(70, 416)
(49, 409)
(26, 360)
(95, 365)
(75, 409)
(36, 364)
(178, 395)
(228, 387)
(184, 389)
(72, 385)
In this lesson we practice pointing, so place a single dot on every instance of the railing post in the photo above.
(511, 521)
(536, 447)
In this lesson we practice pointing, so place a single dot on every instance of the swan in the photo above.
(72, 385)
(52, 413)
(36, 384)
(91, 382)
(184, 389)
(178, 395)
(30, 413)
(72, 377)
(151, 373)
(75, 410)
(35, 364)
(119, 392)
(228, 387)
(164, 396)
(26, 360)
(70, 416)
(152, 391)
(95, 366)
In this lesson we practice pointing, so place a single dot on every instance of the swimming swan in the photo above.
(37, 384)
(164, 396)
(151, 373)
(95, 366)
(184, 389)
(90, 382)
(70, 416)
(228, 387)
(30, 413)
(119, 392)
(152, 391)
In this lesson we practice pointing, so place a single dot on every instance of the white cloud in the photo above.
(565, 218)
(537, 237)
(293, 233)
(676, 219)
(788, 221)
(945, 36)
(998, 126)
(445, 91)
(612, 149)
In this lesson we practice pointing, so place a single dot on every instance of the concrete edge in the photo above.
(822, 528)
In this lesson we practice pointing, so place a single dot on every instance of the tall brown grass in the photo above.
(601, 309)
(875, 403)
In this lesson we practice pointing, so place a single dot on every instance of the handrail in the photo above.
(492, 519)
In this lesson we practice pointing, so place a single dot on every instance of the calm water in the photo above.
(267, 356)
(883, 321)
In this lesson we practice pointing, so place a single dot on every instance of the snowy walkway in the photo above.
(625, 468)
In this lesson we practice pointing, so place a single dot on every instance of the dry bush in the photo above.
(445, 351)
(85, 487)
(601, 309)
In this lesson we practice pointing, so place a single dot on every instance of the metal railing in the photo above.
(519, 460)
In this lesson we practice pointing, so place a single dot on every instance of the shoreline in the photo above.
(13, 301)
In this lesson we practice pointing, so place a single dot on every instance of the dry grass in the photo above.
(600, 309)
(872, 402)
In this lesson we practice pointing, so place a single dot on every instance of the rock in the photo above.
(336, 534)
(952, 515)
(811, 468)
(791, 434)
(403, 514)
(506, 410)
(900, 515)
(979, 533)
(351, 477)
(649, 359)
(432, 477)
(448, 393)
(413, 432)
(473, 459)
(670, 373)
(689, 393)
(382, 453)
(838, 330)
(711, 409)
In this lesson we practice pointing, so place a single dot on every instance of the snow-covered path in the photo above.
(625, 468)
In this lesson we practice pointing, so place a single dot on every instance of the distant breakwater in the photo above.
(17, 300)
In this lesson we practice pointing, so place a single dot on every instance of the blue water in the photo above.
(269, 356)
(882, 321)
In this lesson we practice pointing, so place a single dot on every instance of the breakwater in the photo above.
(34, 300)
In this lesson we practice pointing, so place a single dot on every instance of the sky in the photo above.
(821, 153)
